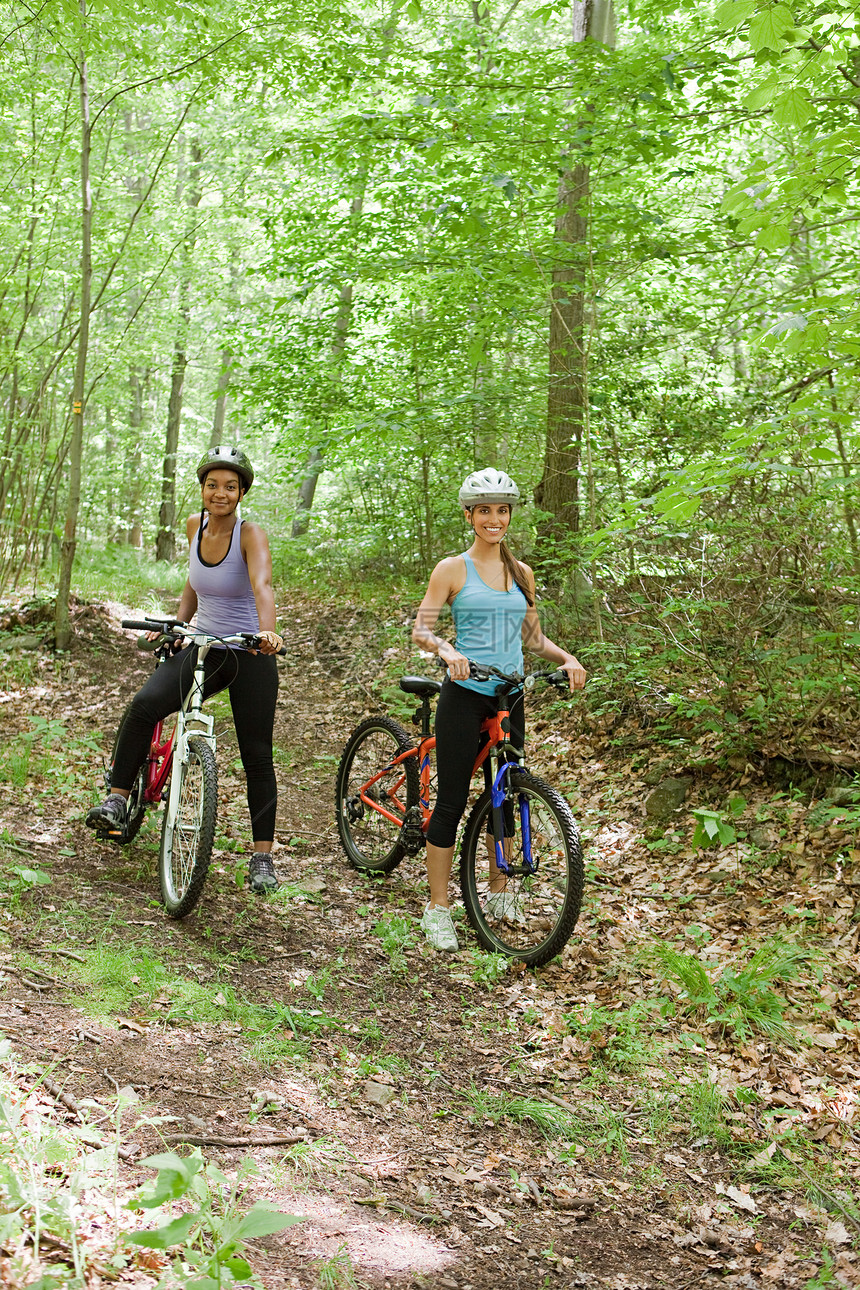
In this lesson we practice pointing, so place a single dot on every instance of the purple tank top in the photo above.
(225, 597)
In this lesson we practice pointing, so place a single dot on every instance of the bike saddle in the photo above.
(420, 685)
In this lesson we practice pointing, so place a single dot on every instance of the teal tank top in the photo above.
(489, 625)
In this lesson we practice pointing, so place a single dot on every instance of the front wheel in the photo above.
(530, 913)
(187, 839)
(372, 795)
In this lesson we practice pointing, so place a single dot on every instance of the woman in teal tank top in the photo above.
(492, 600)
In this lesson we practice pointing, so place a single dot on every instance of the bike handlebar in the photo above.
(483, 672)
(174, 629)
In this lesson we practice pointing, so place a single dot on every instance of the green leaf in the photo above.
(175, 1177)
(733, 13)
(793, 108)
(676, 505)
(823, 454)
(262, 1221)
(162, 1238)
(763, 94)
(767, 28)
(775, 237)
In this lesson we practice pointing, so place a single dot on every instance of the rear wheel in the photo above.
(367, 785)
(187, 839)
(531, 913)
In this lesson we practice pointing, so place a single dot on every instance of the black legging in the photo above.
(459, 713)
(253, 683)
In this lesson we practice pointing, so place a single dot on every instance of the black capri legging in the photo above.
(459, 713)
(253, 683)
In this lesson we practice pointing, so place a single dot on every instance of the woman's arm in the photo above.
(445, 582)
(187, 607)
(258, 557)
(534, 640)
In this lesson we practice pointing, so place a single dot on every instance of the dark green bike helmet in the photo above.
(230, 459)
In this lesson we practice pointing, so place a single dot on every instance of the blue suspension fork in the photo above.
(502, 791)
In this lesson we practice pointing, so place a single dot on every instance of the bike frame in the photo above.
(497, 743)
(162, 751)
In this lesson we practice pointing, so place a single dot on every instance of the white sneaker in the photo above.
(438, 927)
(503, 906)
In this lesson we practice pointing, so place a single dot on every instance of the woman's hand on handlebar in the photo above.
(457, 664)
(270, 643)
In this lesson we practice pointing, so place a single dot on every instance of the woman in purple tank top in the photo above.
(492, 599)
(229, 587)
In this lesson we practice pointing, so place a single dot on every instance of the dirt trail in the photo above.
(436, 1186)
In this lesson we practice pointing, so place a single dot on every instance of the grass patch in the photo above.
(740, 999)
(619, 1039)
(100, 570)
(397, 934)
(551, 1121)
(126, 981)
(48, 751)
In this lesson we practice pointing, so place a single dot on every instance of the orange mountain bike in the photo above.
(521, 871)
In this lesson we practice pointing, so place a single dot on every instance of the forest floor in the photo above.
(463, 1123)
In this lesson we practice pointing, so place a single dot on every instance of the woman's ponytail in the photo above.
(514, 568)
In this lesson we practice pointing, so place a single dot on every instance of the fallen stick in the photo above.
(202, 1140)
(60, 1095)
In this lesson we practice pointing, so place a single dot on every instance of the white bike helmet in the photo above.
(230, 458)
(488, 485)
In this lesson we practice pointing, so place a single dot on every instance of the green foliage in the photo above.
(738, 1000)
(712, 826)
(21, 879)
(397, 934)
(825, 1276)
(336, 1272)
(551, 1121)
(488, 969)
(209, 1239)
(54, 1180)
(618, 1039)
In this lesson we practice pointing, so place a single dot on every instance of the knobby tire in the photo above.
(372, 843)
(543, 907)
(183, 861)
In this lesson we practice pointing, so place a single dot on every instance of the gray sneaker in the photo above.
(438, 927)
(108, 816)
(262, 878)
(503, 906)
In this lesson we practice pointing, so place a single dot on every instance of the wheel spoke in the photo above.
(373, 795)
(531, 912)
(186, 849)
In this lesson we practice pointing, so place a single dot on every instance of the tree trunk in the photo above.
(315, 458)
(227, 357)
(165, 545)
(567, 401)
(217, 435)
(62, 625)
(316, 454)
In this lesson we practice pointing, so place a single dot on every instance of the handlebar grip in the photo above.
(165, 625)
(133, 625)
(559, 679)
(252, 641)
